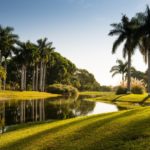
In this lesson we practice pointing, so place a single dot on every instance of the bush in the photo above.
(121, 90)
(137, 90)
(62, 89)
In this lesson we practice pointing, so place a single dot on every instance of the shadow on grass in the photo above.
(119, 96)
(130, 136)
(60, 128)
(144, 100)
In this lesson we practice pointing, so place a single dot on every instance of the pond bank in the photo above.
(8, 95)
(124, 101)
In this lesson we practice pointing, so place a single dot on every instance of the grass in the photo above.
(111, 96)
(122, 130)
(7, 95)
(126, 101)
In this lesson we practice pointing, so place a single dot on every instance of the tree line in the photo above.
(133, 33)
(33, 66)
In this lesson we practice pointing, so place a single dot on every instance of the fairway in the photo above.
(114, 131)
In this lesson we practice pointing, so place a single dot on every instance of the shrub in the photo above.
(137, 89)
(121, 90)
(62, 89)
(137, 86)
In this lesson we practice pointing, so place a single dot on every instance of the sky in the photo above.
(78, 29)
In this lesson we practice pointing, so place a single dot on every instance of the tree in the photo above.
(24, 57)
(126, 33)
(143, 33)
(120, 68)
(45, 49)
(7, 41)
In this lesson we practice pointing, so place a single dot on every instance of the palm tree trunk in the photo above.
(5, 66)
(22, 78)
(129, 72)
(149, 73)
(41, 76)
(123, 79)
(44, 76)
(37, 77)
(25, 78)
(33, 80)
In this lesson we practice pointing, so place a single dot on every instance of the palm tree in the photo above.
(120, 68)
(125, 32)
(45, 49)
(144, 38)
(7, 41)
(24, 58)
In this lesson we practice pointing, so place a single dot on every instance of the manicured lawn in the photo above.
(126, 101)
(122, 130)
(4, 95)
(111, 96)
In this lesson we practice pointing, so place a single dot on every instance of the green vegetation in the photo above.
(5, 95)
(133, 33)
(113, 131)
(111, 97)
(121, 68)
(62, 89)
(123, 101)
(121, 90)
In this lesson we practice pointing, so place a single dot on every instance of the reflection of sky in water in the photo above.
(101, 107)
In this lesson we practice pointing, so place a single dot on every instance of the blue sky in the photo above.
(78, 29)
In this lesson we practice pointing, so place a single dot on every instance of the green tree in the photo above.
(24, 58)
(7, 42)
(45, 49)
(120, 68)
(143, 33)
(126, 34)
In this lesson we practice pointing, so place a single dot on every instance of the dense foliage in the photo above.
(62, 89)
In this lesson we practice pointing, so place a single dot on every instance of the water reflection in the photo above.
(22, 111)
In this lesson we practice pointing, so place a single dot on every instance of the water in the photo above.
(23, 111)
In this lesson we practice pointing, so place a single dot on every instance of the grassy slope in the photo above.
(123, 130)
(110, 96)
(24, 95)
(127, 101)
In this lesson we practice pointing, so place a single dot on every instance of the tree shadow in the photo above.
(116, 98)
(144, 100)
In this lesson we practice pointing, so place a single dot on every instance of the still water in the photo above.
(23, 111)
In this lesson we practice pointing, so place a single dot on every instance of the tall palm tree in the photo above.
(125, 32)
(45, 49)
(120, 68)
(144, 38)
(7, 42)
(24, 58)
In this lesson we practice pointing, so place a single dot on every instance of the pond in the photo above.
(23, 111)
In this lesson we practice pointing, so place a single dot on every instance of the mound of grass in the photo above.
(4, 95)
(114, 131)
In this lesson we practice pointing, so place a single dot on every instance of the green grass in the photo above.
(5, 95)
(111, 96)
(126, 101)
(124, 130)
